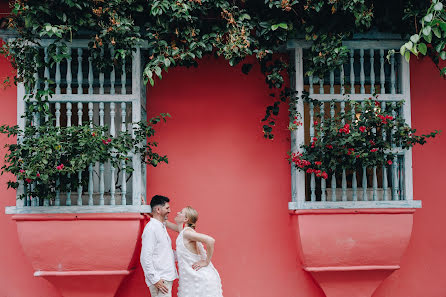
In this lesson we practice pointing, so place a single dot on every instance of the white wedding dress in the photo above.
(192, 283)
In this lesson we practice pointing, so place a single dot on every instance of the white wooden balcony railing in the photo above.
(367, 73)
(84, 94)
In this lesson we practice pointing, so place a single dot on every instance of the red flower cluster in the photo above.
(372, 142)
(374, 150)
(318, 173)
(329, 146)
(22, 171)
(345, 130)
(384, 118)
(296, 159)
(315, 123)
(60, 167)
(362, 129)
(350, 151)
(314, 141)
(376, 103)
(318, 163)
(389, 162)
(106, 141)
(28, 180)
(297, 123)
(38, 174)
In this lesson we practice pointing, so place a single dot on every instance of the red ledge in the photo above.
(351, 268)
(353, 211)
(74, 217)
(349, 252)
(84, 254)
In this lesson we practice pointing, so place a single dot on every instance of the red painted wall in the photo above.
(220, 164)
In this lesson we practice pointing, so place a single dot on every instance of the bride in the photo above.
(198, 277)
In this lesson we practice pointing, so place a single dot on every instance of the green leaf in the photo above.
(407, 56)
(415, 38)
(422, 48)
(437, 32)
(428, 18)
(428, 38)
(443, 55)
(427, 31)
(274, 27)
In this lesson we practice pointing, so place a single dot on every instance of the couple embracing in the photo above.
(197, 275)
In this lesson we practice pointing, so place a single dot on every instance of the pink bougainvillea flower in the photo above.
(22, 171)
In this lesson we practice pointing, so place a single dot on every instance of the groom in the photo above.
(157, 257)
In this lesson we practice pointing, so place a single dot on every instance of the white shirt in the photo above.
(157, 257)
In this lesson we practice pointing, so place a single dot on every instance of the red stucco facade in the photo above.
(220, 164)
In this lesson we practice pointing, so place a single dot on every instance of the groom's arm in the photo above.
(146, 258)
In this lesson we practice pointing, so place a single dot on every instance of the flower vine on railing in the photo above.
(50, 158)
(362, 136)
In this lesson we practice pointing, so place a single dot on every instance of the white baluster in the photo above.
(101, 165)
(90, 167)
(361, 74)
(69, 114)
(101, 76)
(57, 78)
(372, 71)
(123, 162)
(310, 80)
(375, 185)
(385, 185)
(79, 174)
(47, 70)
(392, 75)
(112, 169)
(382, 73)
(123, 78)
(90, 75)
(312, 177)
(332, 82)
(79, 71)
(57, 113)
(321, 86)
(352, 71)
(112, 73)
(69, 75)
(342, 79)
(364, 184)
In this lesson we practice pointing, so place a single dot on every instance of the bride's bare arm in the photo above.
(172, 226)
(207, 240)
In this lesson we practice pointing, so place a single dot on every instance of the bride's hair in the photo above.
(192, 216)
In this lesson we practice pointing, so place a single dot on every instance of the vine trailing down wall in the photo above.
(179, 33)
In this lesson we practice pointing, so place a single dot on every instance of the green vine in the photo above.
(183, 31)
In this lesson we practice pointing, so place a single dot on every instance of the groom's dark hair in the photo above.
(158, 200)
